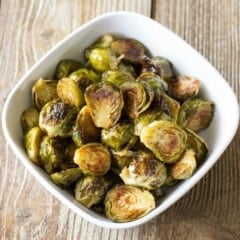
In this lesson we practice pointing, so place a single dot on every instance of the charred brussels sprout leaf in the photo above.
(165, 139)
(105, 103)
(116, 77)
(125, 203)
(29, 118)
(65, 67)
(57, 118)
(195, 114)
(93, 159)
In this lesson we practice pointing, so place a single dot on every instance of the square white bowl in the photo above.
(160, 42)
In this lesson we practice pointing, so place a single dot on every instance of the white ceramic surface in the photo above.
(160, 41)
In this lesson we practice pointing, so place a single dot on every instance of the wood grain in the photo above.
(29, 29)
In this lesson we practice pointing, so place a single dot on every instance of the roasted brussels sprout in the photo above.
(70, 93)
(185, 167)
(57, 118)
(32, 141)
(29, 119)
(51, 153)
(128, 68)
(129, 49)
(116, 77)
(183, 87)
(85, 130)
(65, 67)
(165, 139)
(195, 114)
(122, 157)
(103, 42)
(84, 77)
(144, 171)
(117, 136)
(105, 102)
(93, 159)
(67, 177)
(125, 203)
(90, 190)
(44, 91)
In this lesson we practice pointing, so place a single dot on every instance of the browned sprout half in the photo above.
(29, 118)
(144, 171)
(67, 177)
(93, 159)
(105, 102)
(44, 91)
(124, 203)
(183, 87)
(90, 190)
(165, 139)
(195, 114)
(65, 67)
(85, 130)
(129, 49)
(32, 141)
(185, 167)
(57, 118)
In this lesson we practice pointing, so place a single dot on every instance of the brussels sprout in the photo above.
(103, 42)
(90, 190)
(128, 68)
(44, 91)
(198, 144)
(57, 118)
(29, 118)
(117, 136)
(70, 93)
(84, 77)
(122, 157)
(65, 67)
(85, 130)
(32, 141)
(103, 59)
(52, 153)
(105, 102)
(125, 203)
(116, 77)
(129, 49)
(183, 87)
(185, 167)
(144, 171)
(93, 159)
(165, 139)
(67, 177)
(195, 114)
(137, 98)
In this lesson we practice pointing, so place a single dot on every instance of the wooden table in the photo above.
(29, 28)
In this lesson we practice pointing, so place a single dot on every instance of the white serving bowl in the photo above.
(160, 41)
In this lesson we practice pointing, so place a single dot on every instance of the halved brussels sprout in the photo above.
(65, 67)
(185, 167)
(117, 136)
(67, 177)
(32, 141)
(122, 157)
(44, 91)
(57, 119)
(29, 118)
(165, 139)
(137, 98)
(129, 49)
(183, 87)
(197, 143)
(84, 77)
(70, 93)
(90, 190)
(103, 42)
(116, 77)
(195, 114)
(105, 102)
(85, 130)
(124, 203)
(93, 159)
(52, 153)
(103, 59)
(144, 171)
